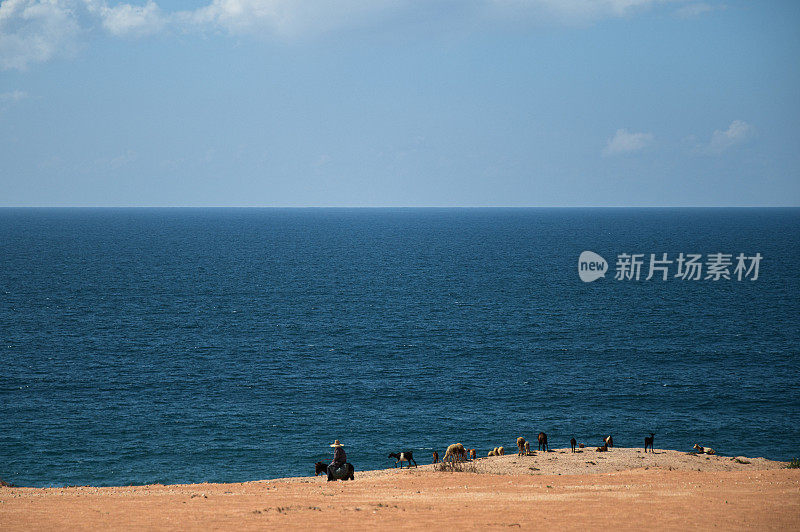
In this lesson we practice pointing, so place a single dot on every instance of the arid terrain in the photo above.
(623, 488)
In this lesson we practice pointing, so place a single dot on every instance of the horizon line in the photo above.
(366, 207)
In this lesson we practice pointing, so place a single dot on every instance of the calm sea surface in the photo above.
(182, 345)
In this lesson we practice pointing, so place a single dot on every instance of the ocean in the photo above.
(191, 345)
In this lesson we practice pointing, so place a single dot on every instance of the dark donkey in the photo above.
(401, 457)
(343, 473)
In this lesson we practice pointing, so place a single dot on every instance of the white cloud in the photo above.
(738, 132)
(126, 19)
(8, 99)
(34, 31)
(578, 10)
(13, 96)
(288, 18)
(626, 142)
(696, 9)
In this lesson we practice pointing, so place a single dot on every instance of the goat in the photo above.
(501, 451)
(521, 445)
(542, 437)
(573, 442)
(473, 454)
(404, 456)
(456, 453)
(527, 448)
(609, 441)
(706, 450)
(648, 442)
(602, 449)
(435, 457)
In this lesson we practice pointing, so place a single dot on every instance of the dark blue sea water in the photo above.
(181, 345)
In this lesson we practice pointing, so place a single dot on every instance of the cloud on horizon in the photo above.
(624, 141)
(737, 133)
(35, 31)
(12, 96)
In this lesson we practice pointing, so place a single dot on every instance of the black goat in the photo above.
(404, 456)
(648, 442)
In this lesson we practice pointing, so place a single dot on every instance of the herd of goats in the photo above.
(458, 453)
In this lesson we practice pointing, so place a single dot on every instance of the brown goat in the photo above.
(573, 442)
(542, 437)
(456, 453)
(521, 445)
(702, 450)
(609, 441)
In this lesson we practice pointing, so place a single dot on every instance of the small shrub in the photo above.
(794, 463)
(455, 467)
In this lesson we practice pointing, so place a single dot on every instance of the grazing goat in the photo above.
(491, 453)
(609, 441)
(542, 437)
(435, 457)
(404, 456)
(456, 453)
(648, 442)
(527, 448)
(602, 449)
(521, 445)
(501, 451)
(572, 443)
(706, 450)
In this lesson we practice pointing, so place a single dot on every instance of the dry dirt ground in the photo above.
(622, 488)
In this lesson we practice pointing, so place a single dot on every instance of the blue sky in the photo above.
(400, 103)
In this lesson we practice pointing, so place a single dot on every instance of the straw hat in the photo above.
(336, 444)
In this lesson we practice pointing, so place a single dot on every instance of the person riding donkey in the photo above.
(339, 459)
